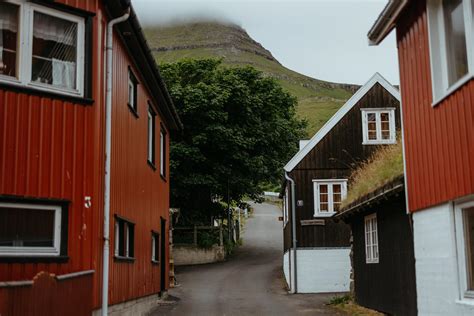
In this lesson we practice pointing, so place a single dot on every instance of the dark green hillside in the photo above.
(317, 100)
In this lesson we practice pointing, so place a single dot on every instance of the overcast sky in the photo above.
(324, 39)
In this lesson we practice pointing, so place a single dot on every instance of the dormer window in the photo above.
(451, 45)
(51, 46)
(378, 126)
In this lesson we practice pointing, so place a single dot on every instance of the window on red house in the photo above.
(455, 40)
(30, 229)
(8, 39)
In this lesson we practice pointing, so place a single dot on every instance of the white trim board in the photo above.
(376, 78)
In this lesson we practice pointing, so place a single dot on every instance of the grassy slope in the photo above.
(317, 100)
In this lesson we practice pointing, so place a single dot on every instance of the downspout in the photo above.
(294, 288)
(108, 152)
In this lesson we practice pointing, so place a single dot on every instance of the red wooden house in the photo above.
(436, 54)
(53, 137)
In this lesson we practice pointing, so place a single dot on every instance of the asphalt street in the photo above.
(249, 283)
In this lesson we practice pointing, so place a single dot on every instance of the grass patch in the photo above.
(385, 165)
(336, 300)
(346, 304)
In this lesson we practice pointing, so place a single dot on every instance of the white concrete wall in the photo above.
(437, 277)
(320, 270)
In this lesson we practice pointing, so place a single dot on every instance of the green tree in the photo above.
(240, 129)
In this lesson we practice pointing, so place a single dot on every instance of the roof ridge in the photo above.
(329, 125)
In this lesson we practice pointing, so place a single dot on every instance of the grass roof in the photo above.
(383, 166)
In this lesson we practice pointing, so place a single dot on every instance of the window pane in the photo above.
(323, 207)
(323, 188)
(385, 135)
(8, 39)
(131, 87)
(371, 117)
(151, 137)
(372, 134)
(26, 227)
(469, 237)
(54, 51)
(455, 39)
(384, 117)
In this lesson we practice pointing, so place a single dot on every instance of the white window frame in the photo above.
(117, 238)
(25, 48)
(370, 243)
(162, 152)
(365, 126)
(461, 249)
(133, 96)
(126, 242)
(329, 183)
(154, 254)
(438, 49)
(36, 251)
(151, 136)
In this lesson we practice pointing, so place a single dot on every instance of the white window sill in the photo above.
(327, 214)
(40, 87)
(464, 80)
(380, 142)
(466, 301)
(29, 253)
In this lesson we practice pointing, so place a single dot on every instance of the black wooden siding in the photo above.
(333, 158)
(388, 286)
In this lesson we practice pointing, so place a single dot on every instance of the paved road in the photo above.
(250, 283)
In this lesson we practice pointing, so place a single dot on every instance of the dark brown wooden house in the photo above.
(370, 118)
(383, 259)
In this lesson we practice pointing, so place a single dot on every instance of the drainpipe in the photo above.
(108, 152)
(294, 288)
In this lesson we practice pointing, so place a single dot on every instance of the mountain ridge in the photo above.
(318, 100)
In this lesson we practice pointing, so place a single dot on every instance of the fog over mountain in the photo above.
(324, 39)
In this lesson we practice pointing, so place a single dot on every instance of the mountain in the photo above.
(317, 100)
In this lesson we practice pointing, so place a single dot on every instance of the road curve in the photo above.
(249, 283)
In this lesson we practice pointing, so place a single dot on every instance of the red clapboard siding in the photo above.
(439, 141)
(139, 194)
(86, 5)
(48, 296)
(43, 154)
(51, 148)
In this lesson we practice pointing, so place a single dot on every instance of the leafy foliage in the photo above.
(239, 130)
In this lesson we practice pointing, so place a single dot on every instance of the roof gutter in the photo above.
(294, 286)
(385, 23)
(108, 154)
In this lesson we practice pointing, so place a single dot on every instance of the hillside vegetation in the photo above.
(317, 100)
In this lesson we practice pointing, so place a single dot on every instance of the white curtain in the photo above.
(8, 21)
(64, 74)
(54, 29)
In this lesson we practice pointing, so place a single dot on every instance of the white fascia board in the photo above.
(385, 23)
(376, 78)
